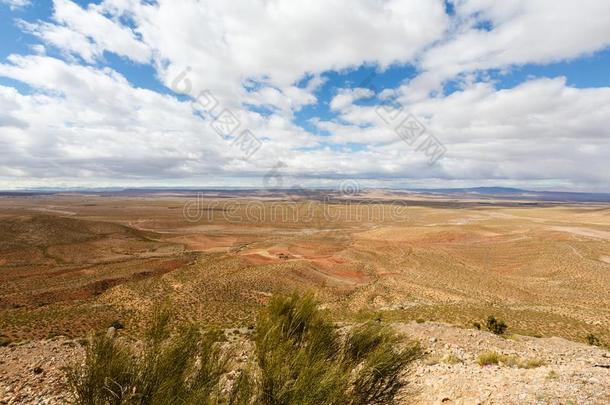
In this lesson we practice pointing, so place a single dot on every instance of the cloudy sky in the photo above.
(389, 93)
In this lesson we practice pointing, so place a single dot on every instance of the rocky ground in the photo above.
(451, 374)
(30, 373)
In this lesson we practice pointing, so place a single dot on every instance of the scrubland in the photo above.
(72, 264)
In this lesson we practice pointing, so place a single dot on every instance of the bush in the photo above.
(117, 325)
(382, 363)
(476, 325)
(301, 358)
(107, 376)
(180, 367)
(496, 326)
(593, 340)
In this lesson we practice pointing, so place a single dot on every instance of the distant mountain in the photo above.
(508, 193)
(513, 193)
(476, 190)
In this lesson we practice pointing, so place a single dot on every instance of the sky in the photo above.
(317, 93)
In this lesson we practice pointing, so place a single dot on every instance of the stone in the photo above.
(111, 332)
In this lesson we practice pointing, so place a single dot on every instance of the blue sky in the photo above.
(508, 97)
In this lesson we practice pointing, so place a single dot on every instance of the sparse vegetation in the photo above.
(51, 243)
(116, 324)
(593, 340)
(89, 252)
(5, 341)
(452, 358)
(488, 358)
(496, 326)
(531, 363)
(301, 358)
(494, 358)
(552, 375)
(175, 365)
(53, 334)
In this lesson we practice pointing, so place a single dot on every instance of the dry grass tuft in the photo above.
(452, 358)
(494, 358)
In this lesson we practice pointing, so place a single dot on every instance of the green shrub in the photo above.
(496, 326)
(296, 353)
(301, 358)
(107, 375)
(380, 377)
(593, 340)
(174, 366)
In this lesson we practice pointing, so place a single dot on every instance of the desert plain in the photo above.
(73, 263)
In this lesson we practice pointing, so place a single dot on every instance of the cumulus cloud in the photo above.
(82, 121)
(79, 127)
(494, 35)
(278, 42)
(88, 33)
(521, 32)
(346, 97)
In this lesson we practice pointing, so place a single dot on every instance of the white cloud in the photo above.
(15, 4)
(95, 122)
(521, 32)
(278, 42)
(88, 33)
(541, 130)
(90, 123)
(70, 42)
(82, 123)
(346, 97)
